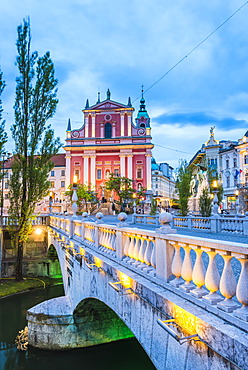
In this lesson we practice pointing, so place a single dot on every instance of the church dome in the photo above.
(154, 165)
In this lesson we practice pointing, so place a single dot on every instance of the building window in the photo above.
(107, 174)
(52, 173)
(6, 185)
(156, 186)
(227, 163)
(62, 184)
(6, 174)
(235, 181)
(139, 186)
(116, 172)
(246, 159)
(108, 130)
(98, 174)
(228, 182)
(139, 173)
(6, 196)
(62, 172)
(246, 180)
(77, 173)
(76, 164)
(52, 184)
(234, 162)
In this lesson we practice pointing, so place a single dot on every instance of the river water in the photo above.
(121, 355)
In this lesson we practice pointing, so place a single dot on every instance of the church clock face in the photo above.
(141, 131)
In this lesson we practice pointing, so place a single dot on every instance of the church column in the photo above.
(122, 124)
(129, 125)
(130, 166)
(67, 170)
(86, 170)
(102, 130)
(86, 129)
(114, 129)
(148, 172)
(122, 165)
(93, 172)
(93, 120)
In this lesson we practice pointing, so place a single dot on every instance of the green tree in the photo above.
(122, 187)
(3, 134)
(153, 207)
(205, 203)
(184, 174)
(35, 144)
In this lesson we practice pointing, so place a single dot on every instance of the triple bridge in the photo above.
(184, 298)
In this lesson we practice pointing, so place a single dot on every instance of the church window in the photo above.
(107, 174)
(77, 173)
(99, 174)
(116, 172)
(139, 186)
(139, 173)
(76, 164)
(108, 130)
(142, 125)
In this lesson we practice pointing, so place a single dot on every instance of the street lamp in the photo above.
(74, 196)
(134, 207)
(215, 200)
(237, 201)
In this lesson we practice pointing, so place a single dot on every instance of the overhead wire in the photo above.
(192, 50)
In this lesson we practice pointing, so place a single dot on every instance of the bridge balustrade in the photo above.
(212, 274)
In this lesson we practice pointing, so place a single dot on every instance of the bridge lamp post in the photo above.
(237, 201)
(135, 204)
(74, 196)
(215, 200)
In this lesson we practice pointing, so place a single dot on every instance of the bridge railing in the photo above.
(38, 220)
(209, 272)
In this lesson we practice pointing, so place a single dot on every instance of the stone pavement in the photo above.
(236, 238)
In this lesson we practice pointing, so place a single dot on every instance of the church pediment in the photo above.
(107, 104)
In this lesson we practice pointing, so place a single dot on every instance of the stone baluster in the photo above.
(130, 249)
(136, 252)
(227, 284)
(198, 274)
(242, 290)
(126, 247)
(176, 264)
(147, 256)
(212, 278)
(187, 269)
(153, 256)
(142, 252)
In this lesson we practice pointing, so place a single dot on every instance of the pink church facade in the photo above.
(110, 141)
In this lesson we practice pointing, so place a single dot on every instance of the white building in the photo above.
(163, 184)
(57, 190)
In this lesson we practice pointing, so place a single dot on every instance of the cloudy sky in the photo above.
(120, 45)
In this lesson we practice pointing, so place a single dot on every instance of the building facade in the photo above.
(229, 161)
(110, 141)
(163, 184)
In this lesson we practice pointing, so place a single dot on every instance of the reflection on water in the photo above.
(121, 355)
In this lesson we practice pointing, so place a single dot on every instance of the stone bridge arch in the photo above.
(97, 323)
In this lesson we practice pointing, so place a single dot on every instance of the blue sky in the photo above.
(120, 45)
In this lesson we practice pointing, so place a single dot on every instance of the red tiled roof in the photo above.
(58, 160)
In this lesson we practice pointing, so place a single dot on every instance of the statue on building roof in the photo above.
(108, 94)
